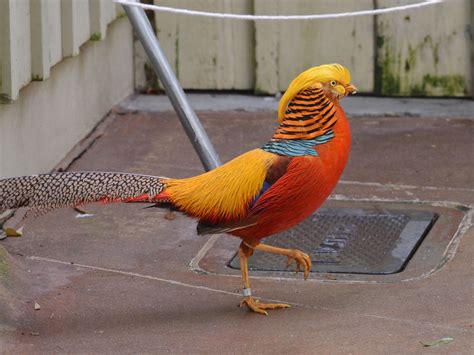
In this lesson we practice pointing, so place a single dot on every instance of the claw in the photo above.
(302, 261)
(260, 307)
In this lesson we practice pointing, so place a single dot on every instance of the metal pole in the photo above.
(186, 114)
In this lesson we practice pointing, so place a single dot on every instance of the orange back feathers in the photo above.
(222, 194)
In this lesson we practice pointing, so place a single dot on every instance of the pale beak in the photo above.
(350, 89)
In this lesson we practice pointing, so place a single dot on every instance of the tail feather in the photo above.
(50, 191)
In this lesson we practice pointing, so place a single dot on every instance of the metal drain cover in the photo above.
(348, 240)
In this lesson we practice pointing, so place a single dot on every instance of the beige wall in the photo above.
(420, 52)
(284, 49)
(51, 116)
(426, 52)
(207, 53)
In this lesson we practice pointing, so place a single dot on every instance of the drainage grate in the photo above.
(348, 240)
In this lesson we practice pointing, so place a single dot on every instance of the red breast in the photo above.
(303, 189)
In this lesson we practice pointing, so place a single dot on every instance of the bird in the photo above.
(260, 193)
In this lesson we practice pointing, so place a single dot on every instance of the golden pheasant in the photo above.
(253, 196)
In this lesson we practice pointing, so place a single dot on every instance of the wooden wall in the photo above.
(422, 52)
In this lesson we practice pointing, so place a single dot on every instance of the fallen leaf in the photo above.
(12, 232)
(442, 341)
(170, 215)
(37, 306)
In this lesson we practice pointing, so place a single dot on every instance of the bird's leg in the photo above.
(254, 305)
(302, 259)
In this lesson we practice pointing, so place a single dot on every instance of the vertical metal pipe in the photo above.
(186, 114)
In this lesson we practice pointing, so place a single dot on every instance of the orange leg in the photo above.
(254, 305)
(302, 259)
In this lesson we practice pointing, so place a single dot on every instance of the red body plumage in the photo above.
(307, 183)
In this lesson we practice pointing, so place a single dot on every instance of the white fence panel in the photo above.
(119, 11)
(54, 31)
(102, 12)
(75, 25)
(111, 10)
(40, 62)
(15, 42)
(36, 34)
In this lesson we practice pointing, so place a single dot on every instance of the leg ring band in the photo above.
(247, 292)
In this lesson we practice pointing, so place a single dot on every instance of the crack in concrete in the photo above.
(210, 289)
(129, 273)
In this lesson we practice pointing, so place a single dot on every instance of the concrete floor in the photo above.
(121, 281)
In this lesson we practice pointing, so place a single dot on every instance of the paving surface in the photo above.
(121, 281)
(356, 106)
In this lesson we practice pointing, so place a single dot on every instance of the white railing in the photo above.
(37, 34)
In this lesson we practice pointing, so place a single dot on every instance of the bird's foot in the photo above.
(302, 261)
(260, 307)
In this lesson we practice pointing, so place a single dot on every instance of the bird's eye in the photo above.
(333, 82)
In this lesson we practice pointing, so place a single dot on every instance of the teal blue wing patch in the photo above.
(297, 147)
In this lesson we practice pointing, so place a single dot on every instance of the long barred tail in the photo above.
(49, 191)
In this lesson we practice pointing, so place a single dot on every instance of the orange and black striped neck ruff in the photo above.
(309, 114)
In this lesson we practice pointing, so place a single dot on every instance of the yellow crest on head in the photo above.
(320, 74)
